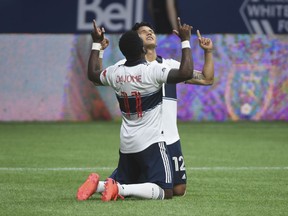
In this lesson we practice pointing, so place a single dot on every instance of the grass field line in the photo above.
(20, 169)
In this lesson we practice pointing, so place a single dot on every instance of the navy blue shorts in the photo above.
(150, 165)
(178, 164)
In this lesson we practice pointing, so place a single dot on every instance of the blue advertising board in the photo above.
(75, 16)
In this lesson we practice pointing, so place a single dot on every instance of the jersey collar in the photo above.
(133, 63)
(159, 59)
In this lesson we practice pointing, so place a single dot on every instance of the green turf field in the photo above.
(233, 169)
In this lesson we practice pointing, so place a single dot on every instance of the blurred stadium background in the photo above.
(44, 48)
(54, 122)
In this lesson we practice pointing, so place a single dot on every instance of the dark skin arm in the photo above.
(95, 63)
(185, 72)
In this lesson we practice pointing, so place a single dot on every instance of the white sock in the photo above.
(145, 190)
(100, 188)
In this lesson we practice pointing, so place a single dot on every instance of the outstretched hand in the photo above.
(184, 31)
(205, 43)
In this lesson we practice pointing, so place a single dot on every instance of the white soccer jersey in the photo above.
(170, 104)
(171, 133)
(139, 92)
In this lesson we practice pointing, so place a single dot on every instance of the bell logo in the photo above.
(115, 17)
(265, 16)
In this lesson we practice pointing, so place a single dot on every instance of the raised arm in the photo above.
(206, 76)
(95, 59)
(185, 71)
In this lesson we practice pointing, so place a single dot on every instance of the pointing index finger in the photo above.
(198, 34)
(179, 22)
(94, 24)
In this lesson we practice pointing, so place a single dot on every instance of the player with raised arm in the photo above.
(138, 87)
(204, 77)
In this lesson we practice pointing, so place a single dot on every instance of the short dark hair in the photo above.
(131, 45)
(138, 25)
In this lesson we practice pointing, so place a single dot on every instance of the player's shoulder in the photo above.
(112, 69)
(120, 62)
(171, 62)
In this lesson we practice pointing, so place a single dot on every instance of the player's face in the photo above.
(148, 36)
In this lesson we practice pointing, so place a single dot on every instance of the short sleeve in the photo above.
(106, 76)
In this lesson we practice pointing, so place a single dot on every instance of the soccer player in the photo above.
(204, 77)
(144, 168)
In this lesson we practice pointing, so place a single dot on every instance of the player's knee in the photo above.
(179, 190)
(168, 193)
